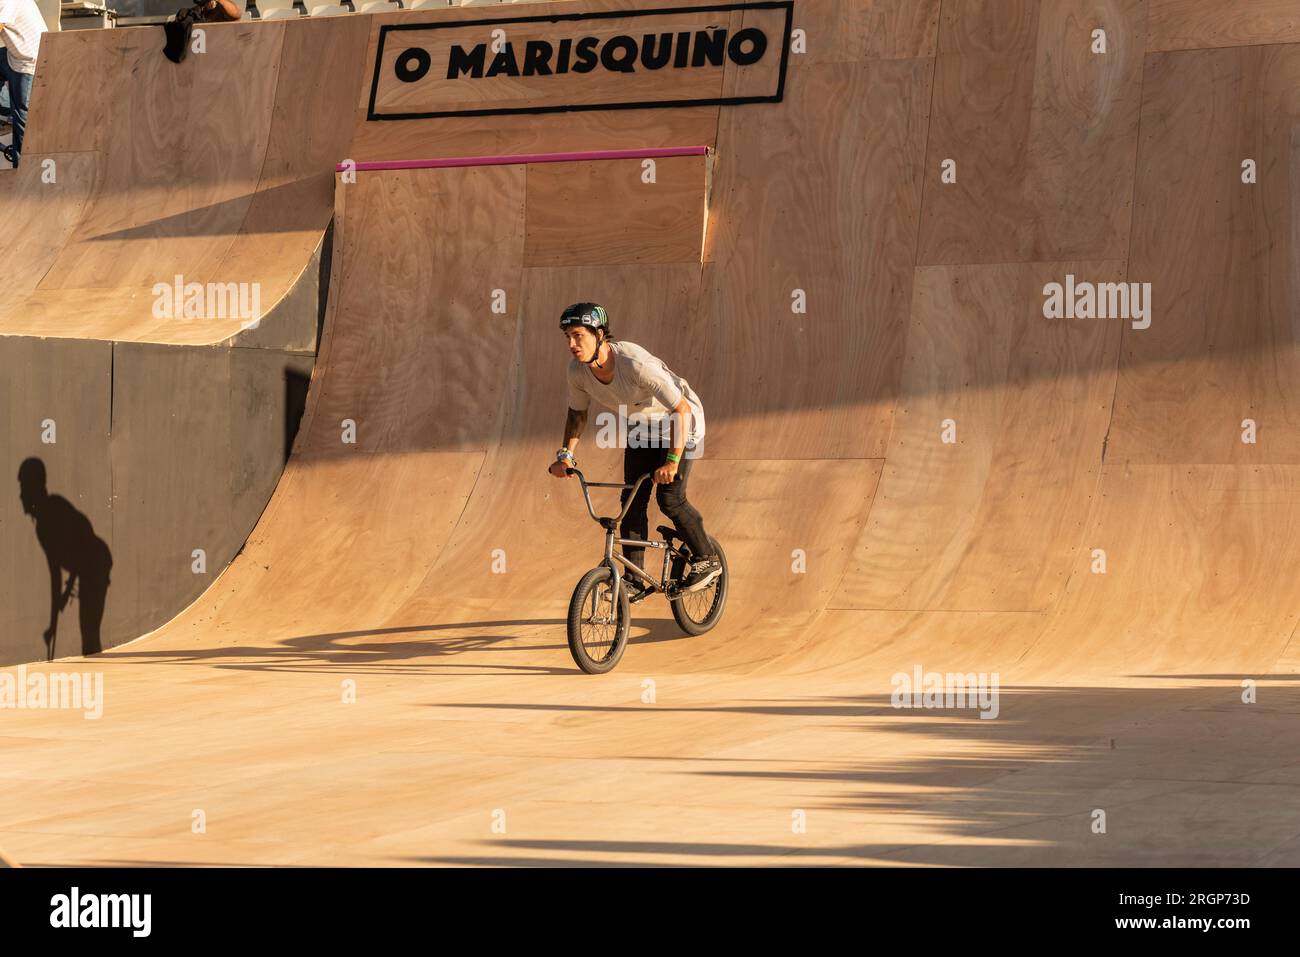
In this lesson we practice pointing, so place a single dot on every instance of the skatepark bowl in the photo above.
(992, 310)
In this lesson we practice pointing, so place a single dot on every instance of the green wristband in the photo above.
(673, 457)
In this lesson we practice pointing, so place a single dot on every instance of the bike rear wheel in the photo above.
(698, 611)
(597, 630)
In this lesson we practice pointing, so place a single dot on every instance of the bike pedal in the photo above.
(637, 597)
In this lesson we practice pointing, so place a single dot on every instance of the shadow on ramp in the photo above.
(390, 650)
(70, 544)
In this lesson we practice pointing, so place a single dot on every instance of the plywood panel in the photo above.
(868, 30)
(294, 202)
(60, 392)
(838, 225)
(169, 428)
(44, 214)
(994, 457)
(1195, 24)
(513, 135)
(79, 75)
(177, 180)
(1222, 260)
(390, 347)
(212, 422)
(183, 211)
(988, 26)
(1193, 560)
(606, 212)
(1042, 132)
(393, 513)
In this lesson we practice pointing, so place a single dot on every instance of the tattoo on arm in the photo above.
(574, 423)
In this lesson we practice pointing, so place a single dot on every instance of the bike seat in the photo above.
(668, 532)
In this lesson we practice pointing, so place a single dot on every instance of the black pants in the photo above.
(672, 502)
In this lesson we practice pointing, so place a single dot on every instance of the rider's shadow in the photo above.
(70, 545)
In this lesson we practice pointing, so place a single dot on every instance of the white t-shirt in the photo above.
(643, 393)
(23, 26)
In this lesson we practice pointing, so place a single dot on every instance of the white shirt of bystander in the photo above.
(21, 26)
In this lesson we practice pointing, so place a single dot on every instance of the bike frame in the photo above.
(610, 525)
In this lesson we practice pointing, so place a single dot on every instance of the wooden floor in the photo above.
(382, 677)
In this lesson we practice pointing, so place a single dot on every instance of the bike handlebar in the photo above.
(586, 495)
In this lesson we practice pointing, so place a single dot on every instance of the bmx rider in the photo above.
(623, 376)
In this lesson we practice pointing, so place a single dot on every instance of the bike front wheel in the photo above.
(698, 611)
(597, 629)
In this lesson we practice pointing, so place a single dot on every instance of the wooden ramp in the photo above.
(137, 170)
(914, 471)
(164, 428)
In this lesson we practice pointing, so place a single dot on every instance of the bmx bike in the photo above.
(600, 612)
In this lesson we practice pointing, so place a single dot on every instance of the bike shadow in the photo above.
(427, 648)
(654, 631)
(462, 647)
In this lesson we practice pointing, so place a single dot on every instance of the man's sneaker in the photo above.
(635, 591)
(702, 573)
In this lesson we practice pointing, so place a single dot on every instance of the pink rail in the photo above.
(581, 156)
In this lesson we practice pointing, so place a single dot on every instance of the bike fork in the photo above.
(616, 591)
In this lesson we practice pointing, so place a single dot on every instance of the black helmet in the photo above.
(589, 314)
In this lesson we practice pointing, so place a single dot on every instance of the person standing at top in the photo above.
(5, 125)
(21, 26)
(219, 11)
